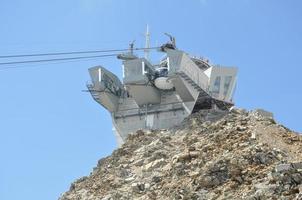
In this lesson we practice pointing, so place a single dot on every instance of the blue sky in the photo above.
(52, 133)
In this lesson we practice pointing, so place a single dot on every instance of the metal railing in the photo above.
(148, 109)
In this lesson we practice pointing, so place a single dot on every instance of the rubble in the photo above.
(243, 155)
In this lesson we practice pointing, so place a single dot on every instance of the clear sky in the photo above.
(52, 133)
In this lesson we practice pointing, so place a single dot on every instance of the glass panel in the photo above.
(227, 82)
(216, 86)
(110, 84)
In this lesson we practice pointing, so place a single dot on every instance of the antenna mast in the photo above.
(147, 45)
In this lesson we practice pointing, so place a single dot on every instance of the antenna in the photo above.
(172, 39)
(131, 47)
(147, 45)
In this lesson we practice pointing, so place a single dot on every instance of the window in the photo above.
(227, 83)
(108, 83)
(216, 86)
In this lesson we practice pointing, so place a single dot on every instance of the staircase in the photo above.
(95, 94)
(204, 100)
(192, 83)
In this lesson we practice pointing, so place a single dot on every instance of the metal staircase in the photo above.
(192, 83)
(204, 100)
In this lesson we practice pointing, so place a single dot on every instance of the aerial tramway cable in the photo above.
(73, 52)
(56, 59)
(53, 59)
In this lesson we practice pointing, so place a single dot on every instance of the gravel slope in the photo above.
(241, 156)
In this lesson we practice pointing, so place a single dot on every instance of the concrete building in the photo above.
(160, 96)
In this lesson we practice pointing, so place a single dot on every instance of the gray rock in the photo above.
(208, 157)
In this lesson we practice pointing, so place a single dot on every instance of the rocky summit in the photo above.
(242, 155)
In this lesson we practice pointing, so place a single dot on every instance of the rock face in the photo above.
(243, 155)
